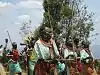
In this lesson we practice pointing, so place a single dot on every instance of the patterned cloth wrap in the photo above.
(79, 65)
(43, 52)
(32, 54)
(14, 68)
(60, 67)
(32, 60)
(43, 68)
(31, 67)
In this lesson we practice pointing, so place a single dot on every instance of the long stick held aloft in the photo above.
(9, 37)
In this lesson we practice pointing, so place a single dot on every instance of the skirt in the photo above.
(45, 68)
(14, 68)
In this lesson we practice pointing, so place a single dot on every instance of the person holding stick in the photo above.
(46, 49)
(14, 65)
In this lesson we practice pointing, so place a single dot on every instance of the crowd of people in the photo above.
(49, 57)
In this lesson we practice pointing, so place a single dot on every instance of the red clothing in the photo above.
(15, 54)
(44, 68)
(79, 65)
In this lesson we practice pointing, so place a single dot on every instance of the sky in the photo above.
(14, 12)
(93, 6)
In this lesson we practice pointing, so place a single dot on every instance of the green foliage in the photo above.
(55, 10)
(66, 11)
(36, 34)
(79, 25)
(69, 20)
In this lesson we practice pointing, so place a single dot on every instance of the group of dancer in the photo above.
(48, 57)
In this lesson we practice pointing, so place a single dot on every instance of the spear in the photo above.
(9, 37)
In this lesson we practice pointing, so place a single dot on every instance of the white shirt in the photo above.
(69, 52)
(43, 51)
(84, 54)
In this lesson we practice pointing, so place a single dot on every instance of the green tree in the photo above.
(55, 10)
(68, 19)
(79, 25)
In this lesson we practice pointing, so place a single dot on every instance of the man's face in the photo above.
(15, 47)
(47, 34)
